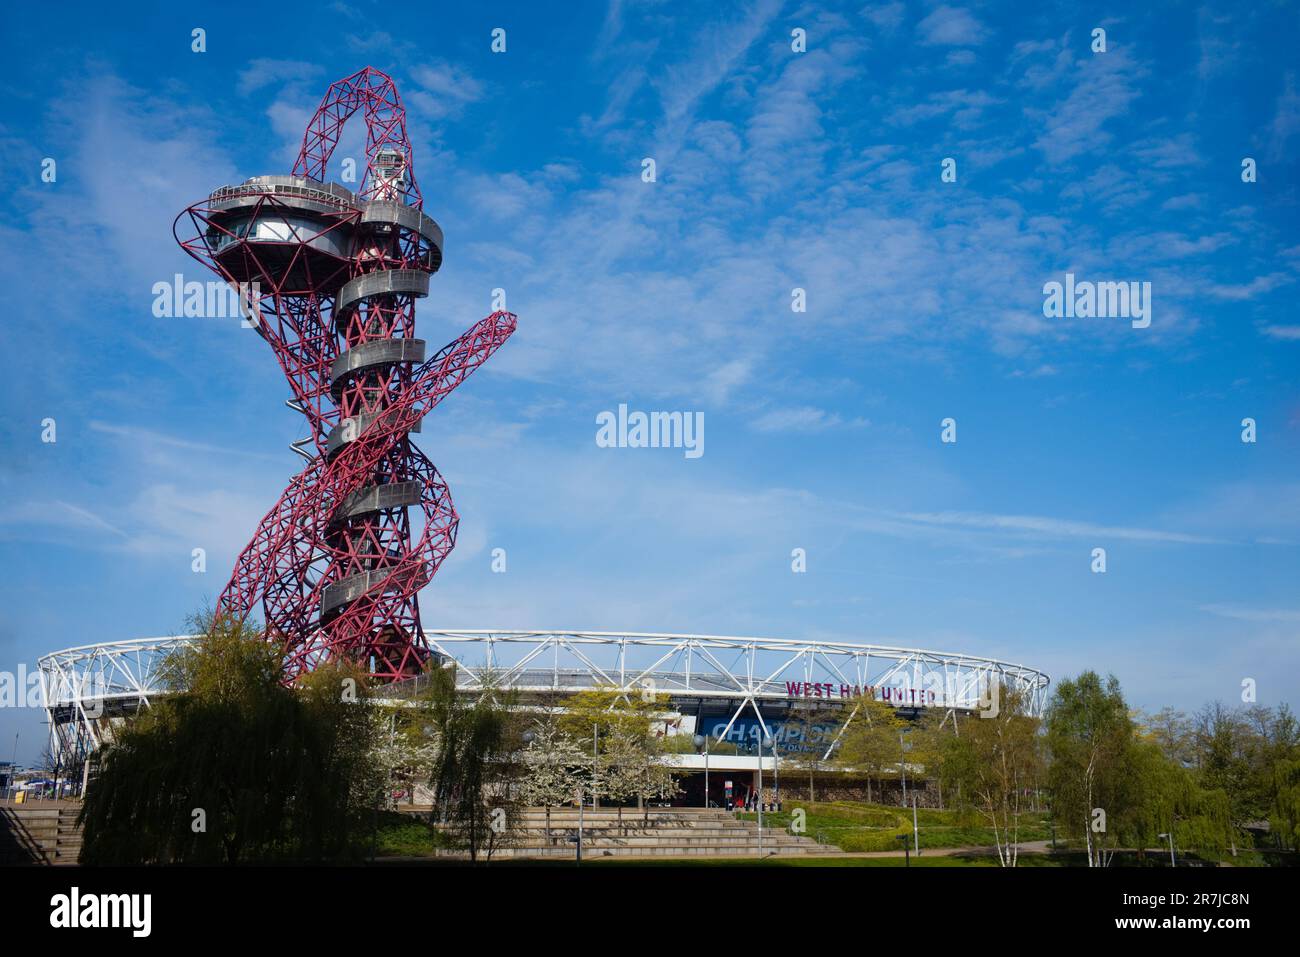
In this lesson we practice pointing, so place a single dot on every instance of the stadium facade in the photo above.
(728, 694)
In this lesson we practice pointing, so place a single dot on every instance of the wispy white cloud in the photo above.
(886, 17)
(265, 71)
(802, 419)
(1286, 333)
(951, 26)
(57, 514)
(1286, 118)
(1104, 87)
(1056, 527)
(1253, 614)
(444, 89)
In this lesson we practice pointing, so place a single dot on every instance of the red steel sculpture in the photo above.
(331, 278)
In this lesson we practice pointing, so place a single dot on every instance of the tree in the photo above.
(1249, 754)
(617, 729)
(632, 768)
(1224, 756)
(474, 741)
(404, 753)
(1163, 797)
(807, 743)
(554, 768)
(1089, 735)
(1171, 731)
(871, 740)
(232, 765)
(997, 758)
(1285, 816)
(600, 712)
(1117, 781)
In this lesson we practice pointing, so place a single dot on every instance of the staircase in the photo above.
(631, 833)
(41, 833)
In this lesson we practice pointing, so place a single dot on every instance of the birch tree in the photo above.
(1090, 736)
(998, 760)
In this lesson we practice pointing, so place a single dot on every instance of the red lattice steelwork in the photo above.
(332, 278)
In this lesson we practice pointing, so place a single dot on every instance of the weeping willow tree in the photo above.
(1164, 797)
(475, 739)
(1285, 816)
(232, 766)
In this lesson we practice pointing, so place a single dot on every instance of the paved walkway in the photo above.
(1026, 847)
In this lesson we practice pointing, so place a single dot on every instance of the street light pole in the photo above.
(916, 831)
(902, 765)
(762, 740)
(760, 793)
(1170, 835)
(702, 741)
(776, 774)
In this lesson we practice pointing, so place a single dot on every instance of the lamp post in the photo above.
(902, 764)
(916, 831)
(1170, 835)
(581, 802)
(702, 741)
(529, 736)
(776, 774)
(763, 739)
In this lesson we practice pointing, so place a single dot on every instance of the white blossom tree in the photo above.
(554, 769)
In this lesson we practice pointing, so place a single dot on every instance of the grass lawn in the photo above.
(954, 860)
(402, 835)
(951, 860)
(853, 826)
(847, 825)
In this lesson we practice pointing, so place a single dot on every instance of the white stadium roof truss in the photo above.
(81, 685)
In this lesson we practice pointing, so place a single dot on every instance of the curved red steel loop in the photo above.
(376, 95)
(336, 565)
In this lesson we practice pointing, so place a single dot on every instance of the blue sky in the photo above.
(776, 170)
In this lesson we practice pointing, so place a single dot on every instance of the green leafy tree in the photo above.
(1224, 758)
(808, 743)
(475, 739)
(1163, 797)
(1285, 816)
(997, 759)
(233, 766)
(1090, 736)
(928, 738)
(871, 742)
(605, 722)
(1172, 732)
(633, 768)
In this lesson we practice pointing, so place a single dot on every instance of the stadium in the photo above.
(725, 694)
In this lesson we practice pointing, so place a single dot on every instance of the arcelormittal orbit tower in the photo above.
(337, 564)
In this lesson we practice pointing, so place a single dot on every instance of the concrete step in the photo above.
(657, 832)
(49, 830)
(679, 850)
(664, 827)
